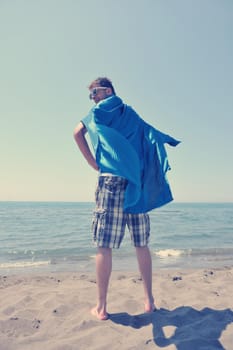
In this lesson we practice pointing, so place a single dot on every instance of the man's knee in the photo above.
(104, 250)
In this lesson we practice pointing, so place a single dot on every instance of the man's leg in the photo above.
(103, 272)
(145, 268)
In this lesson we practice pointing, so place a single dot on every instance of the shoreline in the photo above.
(52, 311)
(120, 263)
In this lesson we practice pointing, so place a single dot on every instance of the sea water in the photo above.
(56, 236)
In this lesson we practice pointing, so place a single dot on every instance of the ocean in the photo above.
(56, 237)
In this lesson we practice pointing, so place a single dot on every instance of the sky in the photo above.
(172, 60)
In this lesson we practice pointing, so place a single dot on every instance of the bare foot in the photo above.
(150, 307)
(100, 315)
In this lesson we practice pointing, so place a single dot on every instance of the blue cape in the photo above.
(125, 145)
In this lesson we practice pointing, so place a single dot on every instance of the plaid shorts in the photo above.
(109, 220)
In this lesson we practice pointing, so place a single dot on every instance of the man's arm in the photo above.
(79, 136)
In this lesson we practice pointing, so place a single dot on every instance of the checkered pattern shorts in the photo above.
(109, 219)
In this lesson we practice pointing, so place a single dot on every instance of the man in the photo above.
(132, 163)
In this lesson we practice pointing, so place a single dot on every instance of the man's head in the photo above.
(100, 89)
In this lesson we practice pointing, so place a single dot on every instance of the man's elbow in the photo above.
(79, 131)
(76, 133)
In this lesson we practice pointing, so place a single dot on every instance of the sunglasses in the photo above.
(94, 91)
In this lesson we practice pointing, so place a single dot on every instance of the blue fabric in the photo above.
(125, 145)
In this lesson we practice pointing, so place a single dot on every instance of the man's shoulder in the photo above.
(87, 119)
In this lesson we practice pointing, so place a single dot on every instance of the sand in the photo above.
(52, 311)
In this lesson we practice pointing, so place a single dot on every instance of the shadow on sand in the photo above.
(193, 329)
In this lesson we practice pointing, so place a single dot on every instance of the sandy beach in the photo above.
(52, 311)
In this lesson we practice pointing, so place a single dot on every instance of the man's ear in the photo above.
(109, 91)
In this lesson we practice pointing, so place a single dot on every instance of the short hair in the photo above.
(104, 82)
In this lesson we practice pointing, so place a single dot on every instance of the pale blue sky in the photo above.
(170, 59)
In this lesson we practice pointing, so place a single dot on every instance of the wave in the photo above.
(21, 264)
(169, 252)
(178, 253)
